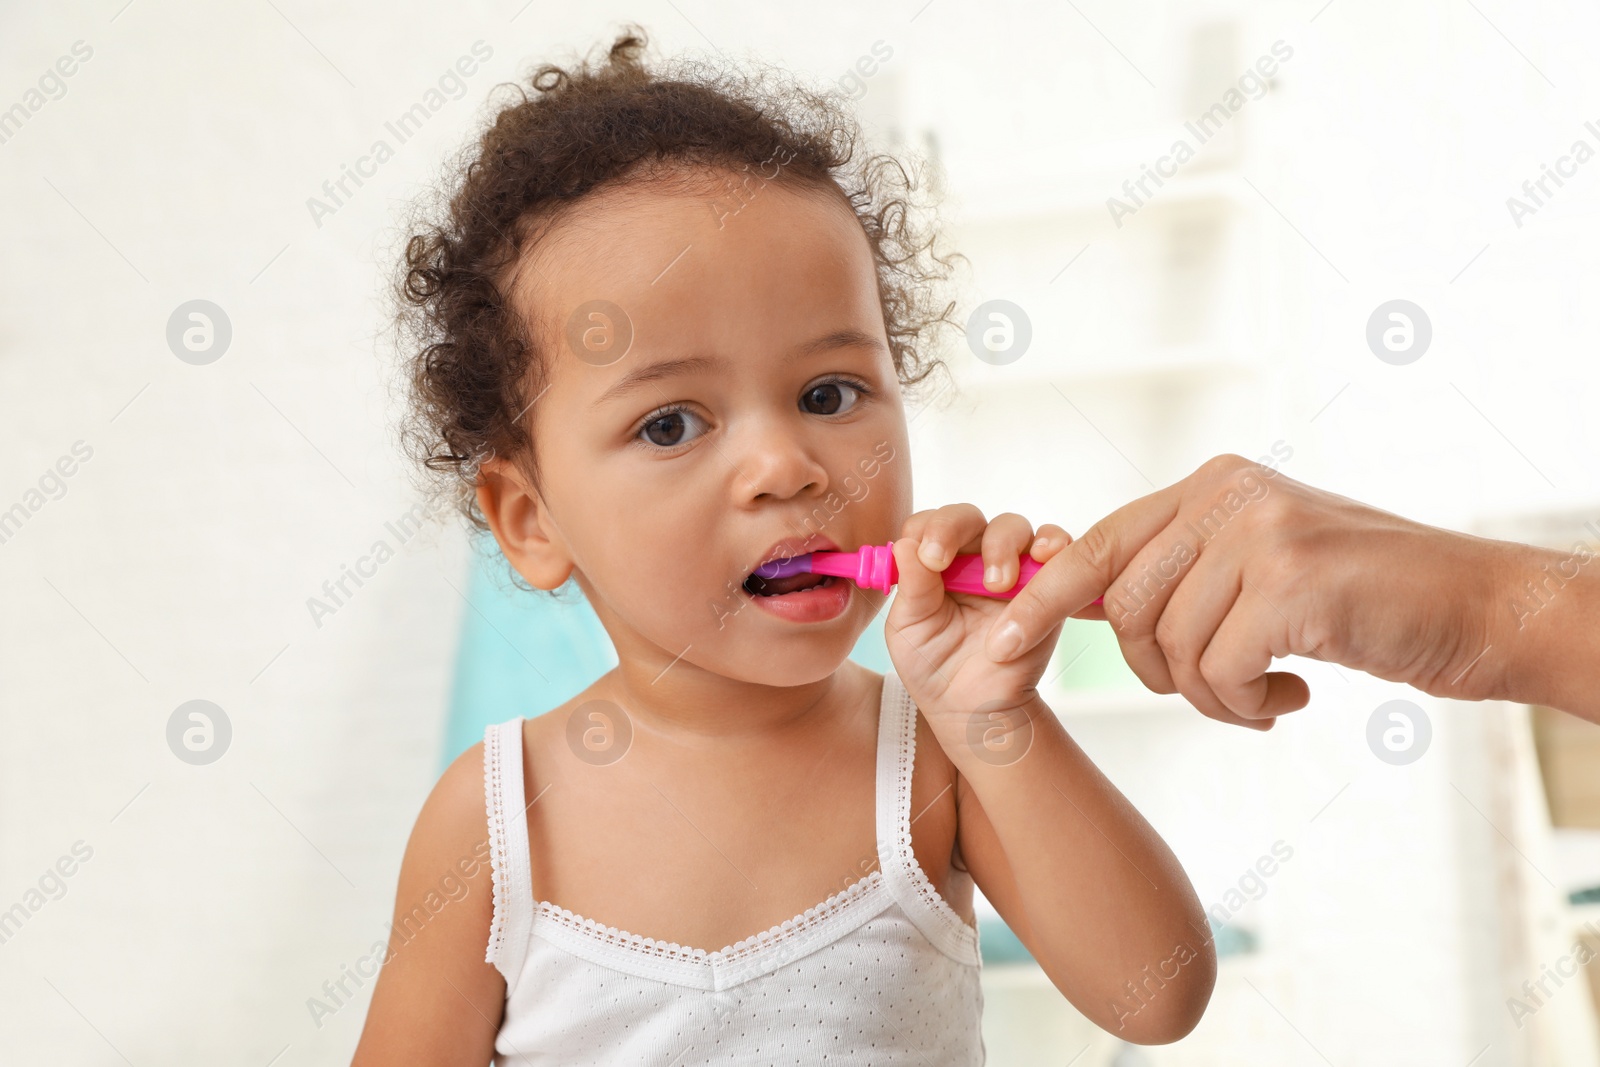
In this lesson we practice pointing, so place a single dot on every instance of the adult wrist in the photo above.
(1547, 627)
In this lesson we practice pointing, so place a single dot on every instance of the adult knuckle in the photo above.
(1221, 467)
(1118, 614)
(1145, 663)
(1163, 686)
(1214, 671)
(1281, 565)
(1098, 548)
(1129, 618)
(1317, 632)
(1171, 641)
(1155, 681)
(1274, 514)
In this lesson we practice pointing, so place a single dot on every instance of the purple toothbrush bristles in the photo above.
(784, 568)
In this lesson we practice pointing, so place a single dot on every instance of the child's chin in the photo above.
(793, 665)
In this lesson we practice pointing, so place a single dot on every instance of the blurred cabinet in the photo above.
(1569, 761)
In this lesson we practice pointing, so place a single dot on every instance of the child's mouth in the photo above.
(758, 586)
(800, 597)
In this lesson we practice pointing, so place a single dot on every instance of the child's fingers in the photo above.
(1005, 539)
(943, 532)
(1048, 540)
(915, 526)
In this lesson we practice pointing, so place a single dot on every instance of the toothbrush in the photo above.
(873, 567)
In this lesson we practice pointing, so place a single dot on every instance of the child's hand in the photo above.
(936, 638)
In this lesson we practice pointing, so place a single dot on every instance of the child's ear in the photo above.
(520, 522)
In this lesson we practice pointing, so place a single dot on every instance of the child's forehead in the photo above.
(611, 231)
(671, 256)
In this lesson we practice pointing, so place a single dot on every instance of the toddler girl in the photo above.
(665, 321)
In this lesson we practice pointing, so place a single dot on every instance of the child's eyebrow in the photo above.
(655, 372)
(673, 368)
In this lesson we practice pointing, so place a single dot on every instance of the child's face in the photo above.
(664, 514)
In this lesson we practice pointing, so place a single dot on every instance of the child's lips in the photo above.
(819, 599)
(819, 603)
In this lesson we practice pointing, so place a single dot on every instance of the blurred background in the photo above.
(1356, 241)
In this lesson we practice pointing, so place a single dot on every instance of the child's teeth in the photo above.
(784, 586)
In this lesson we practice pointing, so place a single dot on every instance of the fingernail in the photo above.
(1006, 642)
(932, 553)
(991, 575)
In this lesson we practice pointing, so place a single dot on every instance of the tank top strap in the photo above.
(902, 874)
(894, 762)
(508, 849)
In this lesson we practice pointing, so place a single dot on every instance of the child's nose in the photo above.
(776, 462)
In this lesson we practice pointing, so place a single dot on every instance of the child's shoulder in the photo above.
(455, 814)
(455, 810)
(449, 848)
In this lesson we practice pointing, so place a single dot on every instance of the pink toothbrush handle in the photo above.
(965, 575)
(873, 567)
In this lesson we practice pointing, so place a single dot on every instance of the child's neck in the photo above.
(693, 705)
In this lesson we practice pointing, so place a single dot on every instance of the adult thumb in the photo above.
(1063, 586)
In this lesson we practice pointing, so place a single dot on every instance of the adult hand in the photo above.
(1208, 580)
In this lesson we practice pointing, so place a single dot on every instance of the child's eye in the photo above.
(664, 428)
(827, 395)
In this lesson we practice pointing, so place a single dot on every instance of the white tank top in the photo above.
(884, 972)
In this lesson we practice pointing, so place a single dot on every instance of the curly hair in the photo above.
(471, 360)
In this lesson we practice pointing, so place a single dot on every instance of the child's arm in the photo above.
(1084, 881)
(436, 1000)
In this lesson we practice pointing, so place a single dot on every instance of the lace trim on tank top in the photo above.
(957, 937)
(494, 799)
(755, 944)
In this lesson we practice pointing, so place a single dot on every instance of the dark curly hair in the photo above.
(471, 360)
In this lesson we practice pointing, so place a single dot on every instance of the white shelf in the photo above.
(1583, 914)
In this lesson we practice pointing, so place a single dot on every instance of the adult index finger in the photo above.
(1079, 573)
